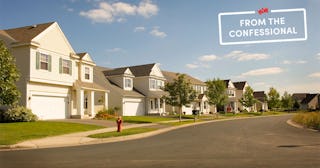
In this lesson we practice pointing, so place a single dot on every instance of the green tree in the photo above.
(287, 101)
(9, 75)
(273, 98)
(216, 92)
(180, 93)
(248, 100)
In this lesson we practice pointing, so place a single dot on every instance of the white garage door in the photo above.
(47, 107)
(133, 109)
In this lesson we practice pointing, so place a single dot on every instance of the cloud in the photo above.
(318, 56)
(243, 56)
(113, 50)
(192, 66)
(208, 58)
(139, 29)
(314, 75)
(263, 71)
(155, 32)
(110, 12)
(287, 62)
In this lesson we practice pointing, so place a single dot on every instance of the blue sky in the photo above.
(181, 35)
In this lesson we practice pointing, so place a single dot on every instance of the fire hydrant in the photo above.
(119, 124)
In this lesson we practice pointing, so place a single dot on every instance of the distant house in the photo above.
(231, 105)
(200, 103)
(261, 104)
(136, 89)
(307, 101)
(240, 90)
(56, 82)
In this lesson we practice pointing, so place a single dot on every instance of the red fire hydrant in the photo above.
(119, 124)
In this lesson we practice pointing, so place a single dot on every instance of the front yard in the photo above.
(12, 133)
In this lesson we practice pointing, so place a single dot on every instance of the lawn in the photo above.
(145, 119)
(308, 119)
(12, 133)
(124, 132)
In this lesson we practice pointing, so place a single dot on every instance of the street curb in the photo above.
(28, 145)
(296, 125)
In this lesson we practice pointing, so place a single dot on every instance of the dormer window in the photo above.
(87, 73)
(127, 83)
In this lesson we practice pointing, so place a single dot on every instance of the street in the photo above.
(257, 142)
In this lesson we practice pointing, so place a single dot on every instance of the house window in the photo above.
(160, 84)
(128, 83)
(87, 73)
(230, 93)
(151, 104)
(65, 66)
(153, 84)
(156, 105)
(204, 105)
(85, 105)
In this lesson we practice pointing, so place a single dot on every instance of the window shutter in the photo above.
(60, 65)
(37, 59)
(70, 67)
(49, 63)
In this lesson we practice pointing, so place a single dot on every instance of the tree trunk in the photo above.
(180, 114)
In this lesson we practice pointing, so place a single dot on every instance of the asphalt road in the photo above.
(256, 143)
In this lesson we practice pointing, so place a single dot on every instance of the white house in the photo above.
(231, 105)
(136, 89)
(56, 82)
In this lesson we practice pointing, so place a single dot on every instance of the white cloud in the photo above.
(192, 66)
(110, 12)
(208, 58)
(155, 32)
(314, 75)
(70, 9)
(139, 29)
(113, 50)
(287, 62)
(263, 71)
(243, 56)
(318, 56)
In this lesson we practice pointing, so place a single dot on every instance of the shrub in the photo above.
(105, 114)
(18, 114)
(310, 120)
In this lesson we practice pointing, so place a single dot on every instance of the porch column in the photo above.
(106, 100)
(91, 103)
(80, 101)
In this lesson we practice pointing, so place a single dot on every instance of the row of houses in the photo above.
(57, 82)
(306, 101)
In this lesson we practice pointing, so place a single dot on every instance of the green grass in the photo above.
(124, 132)
(180, 123)
(145, 119)
(12, 133)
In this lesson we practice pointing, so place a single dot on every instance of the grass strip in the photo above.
(124, 132)
(12, 133)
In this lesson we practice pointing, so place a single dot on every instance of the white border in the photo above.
(264, 41)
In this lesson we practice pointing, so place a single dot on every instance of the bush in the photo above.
(17, 114)
(105, 114)
(310, 120)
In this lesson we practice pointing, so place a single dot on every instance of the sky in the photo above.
(183, 36)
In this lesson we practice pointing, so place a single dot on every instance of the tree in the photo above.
(180, 92)
(273, 98)
(248, 100)
(9, 75)
(287, 101)
(216, 92)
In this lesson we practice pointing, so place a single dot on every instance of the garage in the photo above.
(133, 107)
(49, 107)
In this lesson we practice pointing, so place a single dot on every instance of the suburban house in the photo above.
(136, 90)
(201, 102)
(55, 82)
(307, 101)
(231, 105)
(261, 104)
(240, 90)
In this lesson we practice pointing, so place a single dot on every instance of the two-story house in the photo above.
(137, 89)
(200, 103)
(231, 105)
(55, 81)
(240, 89)
(307, 101)
(261, 104)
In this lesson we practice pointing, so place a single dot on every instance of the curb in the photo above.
(27, 145)
(296, 125)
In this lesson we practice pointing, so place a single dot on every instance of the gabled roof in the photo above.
(27, 33)
(259, 95)
(117, 71)
(240, 85)
(170, 76)
(308, 98)
(299, 96)
(141, 70)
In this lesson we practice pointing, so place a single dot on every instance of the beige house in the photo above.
(240, 90)
(55, 82)
(261, 104)
(201, 102)
(311, 102)
(136, 89)
(231, 105)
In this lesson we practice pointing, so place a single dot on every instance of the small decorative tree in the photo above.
(273, 98)
(248, 100)
(216, 92)
(180, 93)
